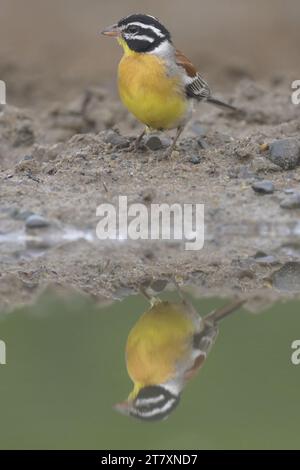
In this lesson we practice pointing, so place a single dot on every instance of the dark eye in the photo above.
(132, 29)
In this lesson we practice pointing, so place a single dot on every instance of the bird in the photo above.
(164, 351)
(157, 83)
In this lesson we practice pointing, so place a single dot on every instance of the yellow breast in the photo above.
(159, 341)
(150, 95)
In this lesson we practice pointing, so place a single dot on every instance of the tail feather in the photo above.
(221, 104)
(224, 312)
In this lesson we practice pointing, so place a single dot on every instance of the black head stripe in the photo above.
(143, 33)
(146, 20)
(154, 403)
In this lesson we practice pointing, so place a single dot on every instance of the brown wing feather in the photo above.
(195, 86)
(184, 62)
(203, 343)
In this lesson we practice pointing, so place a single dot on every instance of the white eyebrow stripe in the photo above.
(147, 26)
(157, 411)
(139, 37)
(147, 401)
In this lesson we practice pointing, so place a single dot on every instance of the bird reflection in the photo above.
(165, 349)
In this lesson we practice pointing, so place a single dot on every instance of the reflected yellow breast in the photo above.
(150, 95)
(157, 343)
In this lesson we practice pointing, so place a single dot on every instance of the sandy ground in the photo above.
(63, 163)
(64, 150)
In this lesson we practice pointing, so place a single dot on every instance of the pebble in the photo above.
(18, 214)
(285, 153)
(289, 191)
(261, 164)
(243, 153)
(202, 143)
(159, 285)
(264, 259)
(155, 142)
(288, 277)
(291, 202)
(263, 187)
(116, 140)
(148, 195)
(36, 221)
(24, 135)
(195, 160)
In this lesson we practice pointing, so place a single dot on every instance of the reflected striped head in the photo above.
(142, 33)
(153, 403)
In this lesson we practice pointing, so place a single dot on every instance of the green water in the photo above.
(65, 370)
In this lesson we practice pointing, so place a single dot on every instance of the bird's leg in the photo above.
(140, 138)
(172, 147)
(136, 144)
(151, 299)
(184, 299)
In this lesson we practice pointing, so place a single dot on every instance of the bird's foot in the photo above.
(151, 299)
(168, 153)
(134, 147)
(137, 144)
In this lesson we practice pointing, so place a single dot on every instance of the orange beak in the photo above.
(123, 408)
(112, 31)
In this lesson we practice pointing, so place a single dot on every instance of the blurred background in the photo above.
(55, 45)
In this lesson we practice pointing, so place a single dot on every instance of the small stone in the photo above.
(291, 202)
(116, 140)
(159, 285)
(149, 254)
(36, 221)
(148, 195)
(289, 191)
(264, 259)
(285, 153)
(202, 143)
(155, 142)
(245, 274)
(18, 214)
(31, 167)
(243, 153)
(263, 187)
(288, 277)
(195, 160)
(264, 147)
(261, 164)
(24, 135)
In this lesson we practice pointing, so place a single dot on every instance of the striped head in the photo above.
(153, 403)
(141, 33)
